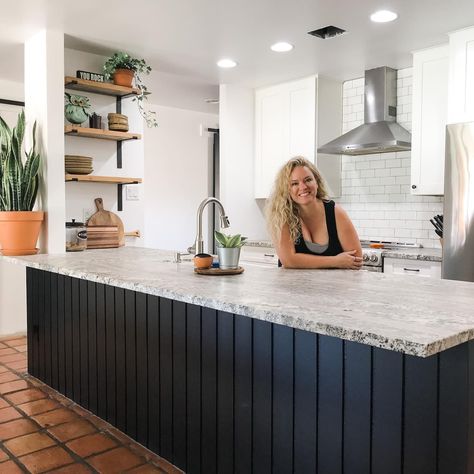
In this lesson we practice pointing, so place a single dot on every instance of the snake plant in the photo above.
(229, 241)
(18, 180)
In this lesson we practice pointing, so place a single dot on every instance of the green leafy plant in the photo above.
(18, 181)
(229, 241)
(121, 60)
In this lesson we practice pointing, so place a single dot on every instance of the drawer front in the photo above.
(420, 268)
(265, 255)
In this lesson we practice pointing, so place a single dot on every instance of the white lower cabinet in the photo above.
(265, 256)
(419, 268)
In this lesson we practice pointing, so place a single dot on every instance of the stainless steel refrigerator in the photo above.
(458, 228)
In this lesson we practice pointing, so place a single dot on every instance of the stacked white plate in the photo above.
(76, 164)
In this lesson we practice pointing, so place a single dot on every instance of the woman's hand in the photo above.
(349, 260)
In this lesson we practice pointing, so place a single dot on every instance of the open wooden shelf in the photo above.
(102, 179)
(105, 88)
(77, 131)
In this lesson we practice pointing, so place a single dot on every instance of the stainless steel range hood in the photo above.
(380, 133)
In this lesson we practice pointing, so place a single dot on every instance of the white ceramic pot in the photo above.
(228, 257)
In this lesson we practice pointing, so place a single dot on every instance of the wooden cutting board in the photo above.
(102, 217)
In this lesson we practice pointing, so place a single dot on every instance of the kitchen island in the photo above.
(274, 370)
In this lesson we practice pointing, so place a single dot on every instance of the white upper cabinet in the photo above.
(461, 76)
(286, 125)
(429, 109)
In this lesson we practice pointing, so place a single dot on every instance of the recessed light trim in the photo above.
(281, 47)
(226, 63)
(383, 16)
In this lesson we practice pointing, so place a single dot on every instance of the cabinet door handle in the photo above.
(268, 254)
(411, 269)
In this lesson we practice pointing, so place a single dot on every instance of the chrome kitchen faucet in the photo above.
(198, 243)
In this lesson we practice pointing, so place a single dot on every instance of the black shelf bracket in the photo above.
(118, 108)
(120, 194)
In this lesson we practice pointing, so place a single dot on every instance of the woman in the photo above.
(308, 230)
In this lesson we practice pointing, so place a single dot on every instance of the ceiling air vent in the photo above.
(327, 32)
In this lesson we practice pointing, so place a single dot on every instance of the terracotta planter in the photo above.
(19, 231)
(123, 77)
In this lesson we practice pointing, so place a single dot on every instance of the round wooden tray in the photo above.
(218, 271)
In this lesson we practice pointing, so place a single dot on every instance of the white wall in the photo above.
(237, 117)
(177, 170)
(376, 188)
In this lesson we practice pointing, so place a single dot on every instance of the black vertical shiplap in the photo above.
(262, 397)
(166, 378)
(76, 340)
(453, 406)
(357, 407)
(68, 336)
(306, 386)
(225, 393)
(142, 368)
(330, 404)
(209, 391)
(84, 344)
(179, 385)
(61, 336)
(131, 363)
(153, 330)
(283, 382)
(110, 358)
(387, 412)
(193, 383)
(243, 394)
(421, 402)
(54, 331)
(45, 367)
(92, 345)
(102, 350)
(120, 360)
(30, 314)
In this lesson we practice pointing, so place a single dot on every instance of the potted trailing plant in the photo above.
(19, 224)
(228, 249)
(123, 69)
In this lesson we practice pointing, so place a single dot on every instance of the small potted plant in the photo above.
(19, 224)
(228, 249)
(122, 68)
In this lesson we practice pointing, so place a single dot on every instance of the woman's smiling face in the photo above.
(303, 185)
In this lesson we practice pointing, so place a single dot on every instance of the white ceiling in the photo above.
(187, 37)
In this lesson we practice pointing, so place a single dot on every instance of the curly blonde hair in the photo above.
(280, 208)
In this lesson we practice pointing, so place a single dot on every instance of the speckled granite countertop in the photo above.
(386, 311)
(431, 255)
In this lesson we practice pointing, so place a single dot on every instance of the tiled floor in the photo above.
(42, 431)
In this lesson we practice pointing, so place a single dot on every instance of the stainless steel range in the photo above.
(372, 250)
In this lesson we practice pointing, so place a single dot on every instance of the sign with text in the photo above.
(90, 76)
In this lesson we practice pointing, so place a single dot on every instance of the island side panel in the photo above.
(217, 392)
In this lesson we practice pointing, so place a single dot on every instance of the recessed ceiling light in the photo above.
(226, 63)
(281, 47)
(383, 16)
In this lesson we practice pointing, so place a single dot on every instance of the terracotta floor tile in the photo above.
(91, 444)
(39, 406)
(11, 429)
(4, 369)
(72, 469)
(9, 413)
(18, 341)
(2, 345)
(8, 377)
(55, 417)
(114, 461)
(74, 429)
(21, 348)
(12, 357)
(8, 350)
(10, 467)
(3, 456)
(25, 396)
(146, 469)
(166, 466)
(14, 386)
(19, 366)
(29, 443)
(3, 403)
(46, 459)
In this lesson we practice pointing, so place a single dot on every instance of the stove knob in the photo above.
(365, 257)
(374, 258)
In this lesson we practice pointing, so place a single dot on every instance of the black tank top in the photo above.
(334, 246)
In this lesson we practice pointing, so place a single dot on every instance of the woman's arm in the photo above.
(290, 259)
(346, 232)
